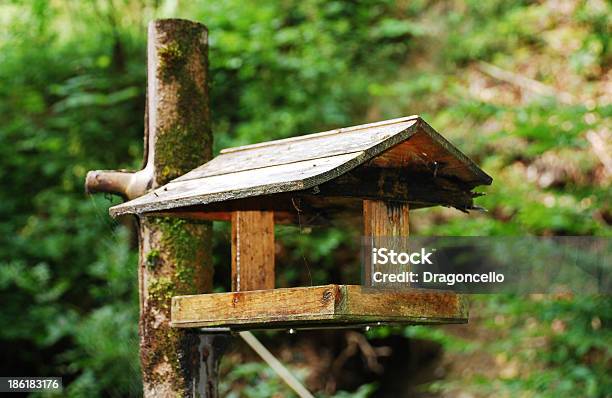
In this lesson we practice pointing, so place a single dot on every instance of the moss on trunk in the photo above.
(175, 254)
(182, 136)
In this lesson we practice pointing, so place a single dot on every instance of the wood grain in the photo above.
(308, 161)
(382, 218)
(398, 185)
(242, 184)
(339, 201)
(252, 250)
(308, 307)
(302, 148)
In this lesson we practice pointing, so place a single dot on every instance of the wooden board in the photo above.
(289, 209)
(338, 202)
(264, 181)
(302, 148)
(382, 219)
(304, 162)
(311, 307)
(418, 189)
(252, 250)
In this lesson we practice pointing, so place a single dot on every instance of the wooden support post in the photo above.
(252, 250)
(383, 220)
(175, 255)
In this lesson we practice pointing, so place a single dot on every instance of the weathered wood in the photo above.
(421, 154)
(305, 162)
(308, 307)
(127, 184)
(382, 223)
(339, 201)
(363, 182)
(252, 250)
(288, 209)
(400, 186)
(332, 143)
(249, 183)
(175, 255)
(368, 127)
(386, 219)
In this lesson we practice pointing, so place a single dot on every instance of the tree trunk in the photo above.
(175, 254)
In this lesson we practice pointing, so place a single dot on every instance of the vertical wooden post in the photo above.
(252, 250)
(383, 220)
(175, 255)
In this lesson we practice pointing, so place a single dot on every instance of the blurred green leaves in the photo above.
(72, 99)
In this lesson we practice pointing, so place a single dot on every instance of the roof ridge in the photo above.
(317, 135)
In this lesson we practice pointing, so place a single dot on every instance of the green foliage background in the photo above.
(72, 97)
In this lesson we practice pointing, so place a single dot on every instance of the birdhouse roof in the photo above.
(305, 162)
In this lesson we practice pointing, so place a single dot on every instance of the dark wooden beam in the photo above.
(339, 200)
(400, 186)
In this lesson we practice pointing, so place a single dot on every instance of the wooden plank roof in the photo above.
(303, 162)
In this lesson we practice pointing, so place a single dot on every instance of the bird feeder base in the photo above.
(317, 307)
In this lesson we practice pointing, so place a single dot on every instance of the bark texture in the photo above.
(175, 254)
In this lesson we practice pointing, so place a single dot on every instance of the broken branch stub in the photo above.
(178, 136)
(127, 184)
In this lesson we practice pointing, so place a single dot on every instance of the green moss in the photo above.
(163, 345)
(153, 259)
(184, 143)
(180, 261)
(170, 346)
(173, 55)
(183, 241)
(171, 60)
(180, 256)
(161, 290)
(179, 149)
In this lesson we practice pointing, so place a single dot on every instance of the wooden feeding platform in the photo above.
(372, 174)
(315, 307)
